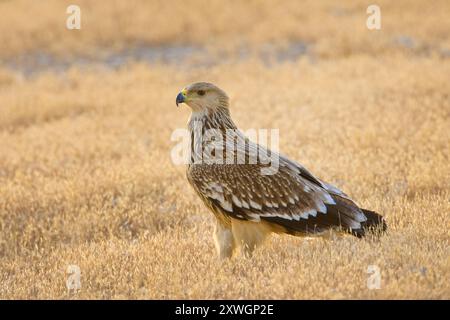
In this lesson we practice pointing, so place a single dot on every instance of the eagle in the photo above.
(249, 197)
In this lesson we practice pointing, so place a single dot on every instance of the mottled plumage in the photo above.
(248, 204)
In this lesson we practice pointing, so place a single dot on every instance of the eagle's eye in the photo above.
(201, 92)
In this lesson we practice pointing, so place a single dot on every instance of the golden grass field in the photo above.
(86, 176)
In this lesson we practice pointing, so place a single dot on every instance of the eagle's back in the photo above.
(290, 198)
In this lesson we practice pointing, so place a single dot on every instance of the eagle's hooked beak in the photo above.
(181, 97)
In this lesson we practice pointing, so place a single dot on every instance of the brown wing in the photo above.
(291, 198)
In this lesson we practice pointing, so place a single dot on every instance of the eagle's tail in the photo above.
(375, 224)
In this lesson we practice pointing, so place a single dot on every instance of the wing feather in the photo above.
(291, 198)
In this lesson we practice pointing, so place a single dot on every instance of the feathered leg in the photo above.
(223, 239)
(249, 235)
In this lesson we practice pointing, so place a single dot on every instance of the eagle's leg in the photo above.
(223, 239)
(249, 235)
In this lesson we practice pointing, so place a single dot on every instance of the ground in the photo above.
(86, 176)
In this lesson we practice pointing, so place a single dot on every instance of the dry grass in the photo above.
(86, 176)
(335, 29)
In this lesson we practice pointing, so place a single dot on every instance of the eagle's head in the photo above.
(203, 95)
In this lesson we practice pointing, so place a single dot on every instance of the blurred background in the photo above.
(35, 36)
(86, 118)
